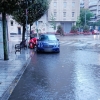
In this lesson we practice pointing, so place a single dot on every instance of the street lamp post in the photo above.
(85, 14)
(85, 17)
(37, 29)
(27, 29)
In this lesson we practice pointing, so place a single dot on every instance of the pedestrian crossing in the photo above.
(79, 44)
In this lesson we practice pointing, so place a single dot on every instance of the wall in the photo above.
(14, 27)
(1, 41)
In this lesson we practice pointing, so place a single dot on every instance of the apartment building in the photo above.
(84, 4)
(65, 12)
(94, 7)
(98, 10)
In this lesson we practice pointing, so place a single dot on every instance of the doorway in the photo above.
(19, 30)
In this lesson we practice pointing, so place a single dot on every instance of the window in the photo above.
(64, 14)
(55, 14)
(19, 30)
(47, 37)
(73, 4)
(55, 4)
(11, 22)
(40, 22)
(64, 4)
(73, 13)
(99, 7)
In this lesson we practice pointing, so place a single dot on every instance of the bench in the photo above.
(18, 47)
(23, 44)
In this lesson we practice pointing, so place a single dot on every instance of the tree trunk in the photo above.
(23, 34)
(30, 31)
(5, 36)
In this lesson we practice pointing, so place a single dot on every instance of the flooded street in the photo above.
(73, 74)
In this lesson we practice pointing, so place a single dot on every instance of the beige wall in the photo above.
(71, 6)
(14, 27)
(86, 4)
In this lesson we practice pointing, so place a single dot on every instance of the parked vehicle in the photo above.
(48, 43)
(32, 43)
(95, 32)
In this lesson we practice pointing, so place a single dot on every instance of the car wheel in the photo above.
(37, 50)
(58, 51)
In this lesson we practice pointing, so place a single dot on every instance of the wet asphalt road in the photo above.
(73, 74)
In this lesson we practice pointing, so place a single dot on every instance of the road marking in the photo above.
(75, 43)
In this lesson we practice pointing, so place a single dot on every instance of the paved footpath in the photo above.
(11, 70)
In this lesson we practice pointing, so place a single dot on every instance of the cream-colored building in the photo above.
(84, 4)
(65, 12)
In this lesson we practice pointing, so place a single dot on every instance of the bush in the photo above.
(86, 28)
(60, 30)
(73, 29)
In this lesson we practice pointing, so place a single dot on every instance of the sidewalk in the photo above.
(11, 70)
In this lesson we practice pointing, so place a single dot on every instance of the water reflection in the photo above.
(95, 37)
(85, 80)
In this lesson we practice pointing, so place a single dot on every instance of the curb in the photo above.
(10, 89)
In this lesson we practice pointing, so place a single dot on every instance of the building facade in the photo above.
(60, 12)
(84, 4)
(65, 12)
(94, 7)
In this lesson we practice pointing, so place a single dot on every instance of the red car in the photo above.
(32, 42)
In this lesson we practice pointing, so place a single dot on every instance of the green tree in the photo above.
(74, 29)
(53, 23)
(7, 7)
(86, 28)
(78, 22)
(88, 14)
(35, 10)
(98, 23)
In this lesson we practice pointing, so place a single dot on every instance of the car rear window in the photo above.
(48, 37)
